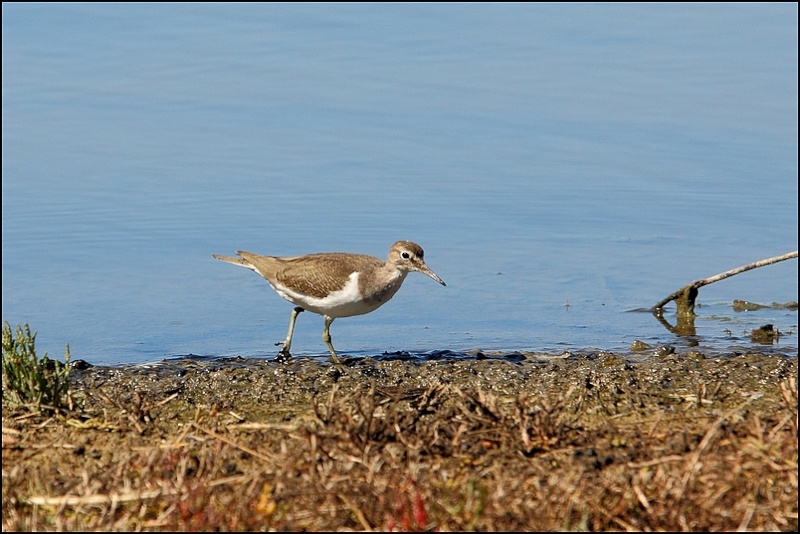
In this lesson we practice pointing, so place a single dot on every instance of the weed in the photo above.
(39, 384)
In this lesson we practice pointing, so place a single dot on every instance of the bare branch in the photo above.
(685, 296)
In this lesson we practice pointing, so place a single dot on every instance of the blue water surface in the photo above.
(561, 164)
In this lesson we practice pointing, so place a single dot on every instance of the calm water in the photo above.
(560, 164)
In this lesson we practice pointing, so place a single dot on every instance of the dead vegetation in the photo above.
(685, 297)
(592, 442)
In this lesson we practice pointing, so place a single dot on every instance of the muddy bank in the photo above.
(595, 441)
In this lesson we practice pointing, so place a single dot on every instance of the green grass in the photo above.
(38, 384)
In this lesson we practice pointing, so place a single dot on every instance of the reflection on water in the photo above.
(560, 164)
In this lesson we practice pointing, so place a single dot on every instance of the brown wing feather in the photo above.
(315, 274)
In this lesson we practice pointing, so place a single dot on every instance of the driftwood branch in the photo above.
(685, 297)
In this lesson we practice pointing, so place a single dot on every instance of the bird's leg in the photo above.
(287, 345)
(326, 337)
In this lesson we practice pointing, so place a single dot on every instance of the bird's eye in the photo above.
(405, 255)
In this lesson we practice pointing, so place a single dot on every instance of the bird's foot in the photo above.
(284, 356)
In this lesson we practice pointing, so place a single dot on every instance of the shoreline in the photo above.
(501, 442)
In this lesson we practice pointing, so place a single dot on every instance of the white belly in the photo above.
(346, 302)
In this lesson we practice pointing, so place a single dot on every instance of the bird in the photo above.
(335, 284)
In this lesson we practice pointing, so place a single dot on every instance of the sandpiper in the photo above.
(335, 284)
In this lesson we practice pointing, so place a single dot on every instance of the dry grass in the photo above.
(614, 451)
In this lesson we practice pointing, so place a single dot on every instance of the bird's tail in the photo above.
(234, 260)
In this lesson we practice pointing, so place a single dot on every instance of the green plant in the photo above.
(29, 381)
